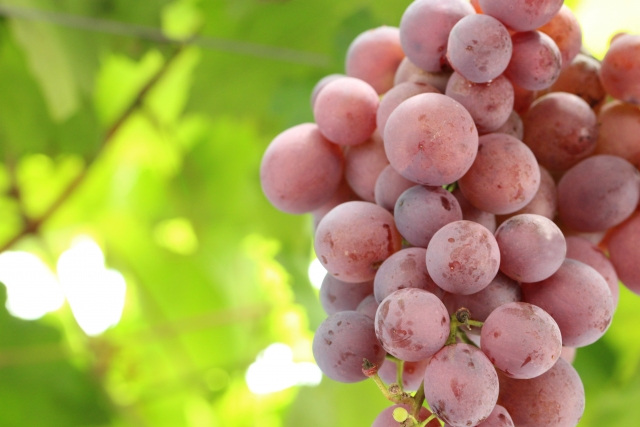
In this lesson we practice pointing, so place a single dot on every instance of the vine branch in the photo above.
(33, 225)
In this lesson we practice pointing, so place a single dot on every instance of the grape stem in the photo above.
(462, 317)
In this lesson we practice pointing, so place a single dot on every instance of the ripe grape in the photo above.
(623, 250)
(300, 169)
(389, 186)
(341, 343)
(461, 385)
(463, 257)
(336, 295)
(354, 238)
(521, 339)
(363, 164)
(412, 324)
(522, 15)
(536, 60)
(620, 71)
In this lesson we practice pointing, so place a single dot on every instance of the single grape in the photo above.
(504, 176)
(389, 186)
(431, 139)
(536, 61)
(619, 127)
(582, 77)
(410, 72)
(345, 111)
(374, 56)
(396, 95)
(404, 269)
(555, 398)
(471, 213)
(620, 71)
(588, 316)
(463, 257)
(336, 295)
(532, 247)
(545, 201)
(354, 238)
(521, 15)
(368, 306)
(341, 343)
(412, 324)
(461, 385)
(598, 193)
(362, 165)
(421, 211)
(300, 169)
(521, 339)
(624, 251)
(479, 48)
(513, 126)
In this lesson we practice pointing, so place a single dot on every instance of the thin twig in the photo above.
(32, 226)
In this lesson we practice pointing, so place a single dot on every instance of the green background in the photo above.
(152, 148)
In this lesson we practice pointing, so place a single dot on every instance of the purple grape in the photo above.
(532, 247)
(479, 48)
(404, 269)
(412, 324)
(421, 211)
(424, 30)
(536, 61)
(521, 339)
(501, 290)
(555, 398)
(461, 385)
(336, 295)
(431, 139)
(354, 238)
(625, 253)
(345, 111)
(341, 343)
(363, 164)
(463, 257)
(560, 144)
(588, 315)
(499, 418)
(368, 306)
(598, 193)
(504, 176)
(489, 104)
(583, 250)
(522, 15)
(374, 56)
(389, 186)
(300, 169)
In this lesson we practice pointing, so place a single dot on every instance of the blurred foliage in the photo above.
(151, 147)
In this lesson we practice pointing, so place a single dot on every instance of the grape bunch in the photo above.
(473, 181)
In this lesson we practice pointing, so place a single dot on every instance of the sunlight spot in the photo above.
(316, 273)
(96, 295)
(274, 370)
(32, 288)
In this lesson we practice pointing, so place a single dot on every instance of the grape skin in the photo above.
(581, 77)
(410, 72)
(389, 186)
(463, 257)
(336, 295)
(522, 15)
(374, 56)
(504, 176)
(395, 96)
(412, 324)
(404, 269)
(300, 169)
(598, 193)
(555, 398)
(479, 48)
(588, 316)
(342, 341)
(620, 70)
(619, 127)
(623, 250)
(536, 61)
(461, 385)
(532, 247)
(363, 164)
(421, 211)
(412, 373)
(521, 339)
(565, 31)
(471, 213)
(354, 238)
(431, 139)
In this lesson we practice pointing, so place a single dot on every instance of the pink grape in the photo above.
(354, 238)
(395, 96)
(620, 71)
(363, 164)
(521, 339)
(461, 385)
(431, 139)
(412, 324)
(300, 169)
(624, 251)
(341, 343)
(555, 398)
(336, 295)
(389, 186)
(345, 111)
(463, 257)
(536, 61)
(522, 15)
(410, 72)
(565, 31)
(412, 373)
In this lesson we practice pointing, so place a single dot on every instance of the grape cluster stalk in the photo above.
(474, 186)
